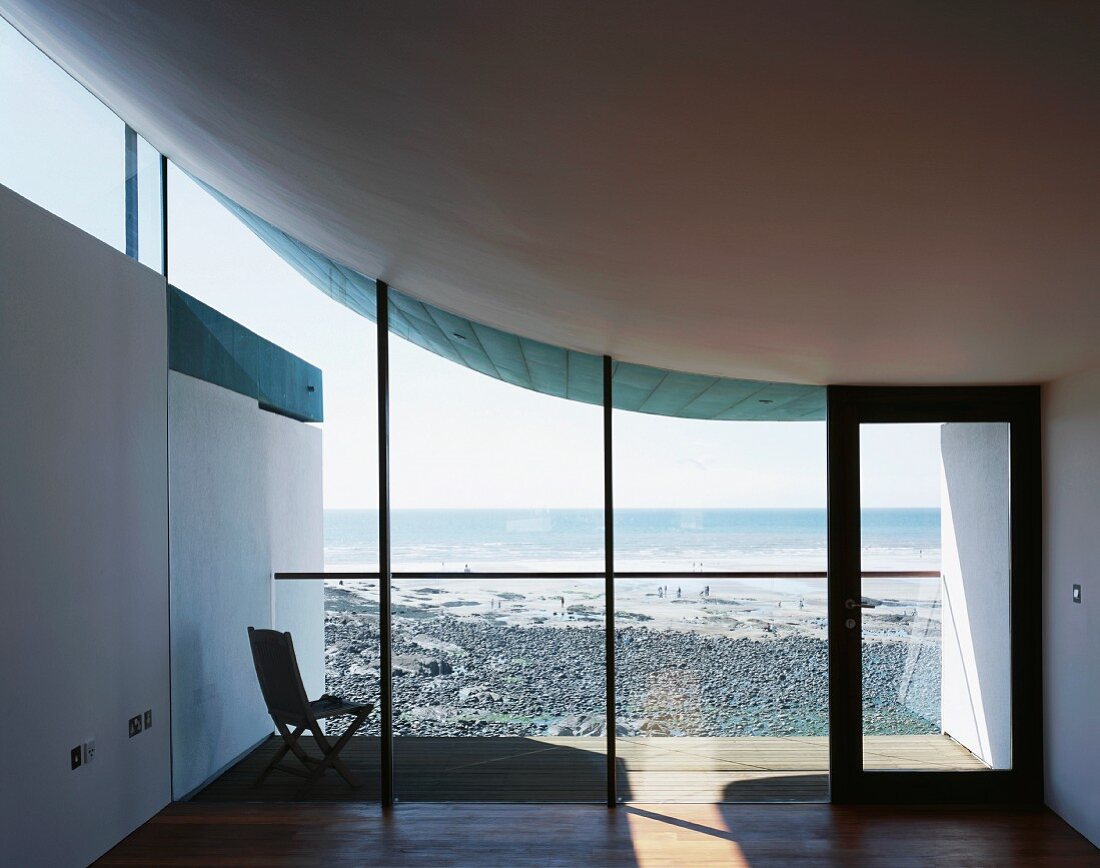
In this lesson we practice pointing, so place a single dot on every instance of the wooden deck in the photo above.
(651, 770)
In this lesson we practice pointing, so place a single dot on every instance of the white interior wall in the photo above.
(1071, 631)
(246, 500)
(976, 675)
(84, 554)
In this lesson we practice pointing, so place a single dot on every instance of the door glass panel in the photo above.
(934, 609)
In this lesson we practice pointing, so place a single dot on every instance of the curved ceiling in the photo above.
(866, 192)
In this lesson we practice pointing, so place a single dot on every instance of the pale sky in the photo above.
(459, 438)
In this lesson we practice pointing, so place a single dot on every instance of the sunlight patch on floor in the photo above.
(695, 835)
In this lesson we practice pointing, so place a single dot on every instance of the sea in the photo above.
(501, 540)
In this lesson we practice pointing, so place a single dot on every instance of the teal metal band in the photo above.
(208, 345)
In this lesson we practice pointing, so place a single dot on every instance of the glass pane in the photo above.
(936, 656)
(488, 476)
(499, 684)
(721, 683)
(150, 237)
(722, 690)
(499, 690)
(60, 147)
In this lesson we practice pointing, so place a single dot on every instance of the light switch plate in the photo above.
(1077, 593)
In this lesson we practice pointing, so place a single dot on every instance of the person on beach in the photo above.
(678, 594)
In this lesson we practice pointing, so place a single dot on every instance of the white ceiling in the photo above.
(859, 192)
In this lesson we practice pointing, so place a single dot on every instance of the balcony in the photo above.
(721, 687)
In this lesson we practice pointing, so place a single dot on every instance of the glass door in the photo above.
(934, 589)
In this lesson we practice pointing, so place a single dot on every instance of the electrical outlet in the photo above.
(89, 750)
(75, 756)
(148, 718)
(135, 725)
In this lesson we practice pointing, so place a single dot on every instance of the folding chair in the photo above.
(281, 684)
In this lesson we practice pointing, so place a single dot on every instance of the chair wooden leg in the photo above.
(331, 754)
(290, 743)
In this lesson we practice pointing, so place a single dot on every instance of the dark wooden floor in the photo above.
(638, 835)
(549, 769)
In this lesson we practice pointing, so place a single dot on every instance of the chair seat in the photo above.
(323, 708)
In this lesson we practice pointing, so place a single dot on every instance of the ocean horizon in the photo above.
(652, 539)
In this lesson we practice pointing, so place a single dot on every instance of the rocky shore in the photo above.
(468, 668)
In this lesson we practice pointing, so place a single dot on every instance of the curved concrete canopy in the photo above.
(541, 367)
(872, 192)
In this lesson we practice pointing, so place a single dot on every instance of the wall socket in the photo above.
(148, 718)
(135, 725)
(89, 751)
(76, 756)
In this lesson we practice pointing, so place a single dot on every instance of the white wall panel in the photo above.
(246, 500)
(83, 539)
(1071, 631)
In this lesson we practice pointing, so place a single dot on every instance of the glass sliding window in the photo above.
(721, 682)
(936, 651)
(60, 147)
(216, 259)
(499, 682)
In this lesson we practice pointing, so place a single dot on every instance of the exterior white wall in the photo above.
(1071, 631)
(246, 500)
(976, 678)
(84, 547)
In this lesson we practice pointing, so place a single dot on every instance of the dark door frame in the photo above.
(1019, 406)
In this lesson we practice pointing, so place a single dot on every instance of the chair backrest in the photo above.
(277, 672)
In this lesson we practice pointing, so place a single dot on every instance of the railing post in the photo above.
(609, 581)
(385, 608)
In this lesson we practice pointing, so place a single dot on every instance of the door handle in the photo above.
(852, 604)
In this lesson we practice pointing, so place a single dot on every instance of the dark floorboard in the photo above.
(346, 834)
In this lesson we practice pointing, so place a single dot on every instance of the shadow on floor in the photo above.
(519, 769)
(506, 769)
